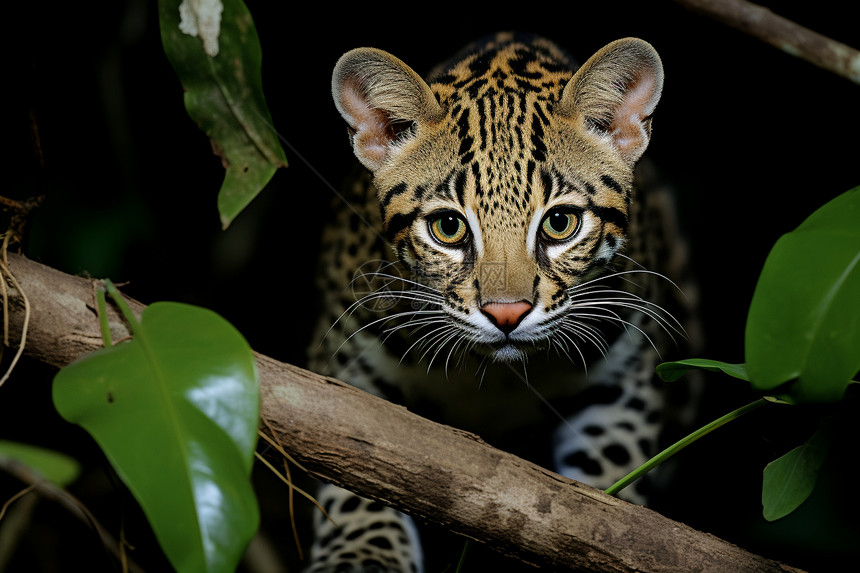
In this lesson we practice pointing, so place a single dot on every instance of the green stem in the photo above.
(123, 306)
(462, 557)
(681, 444)
(103, 319)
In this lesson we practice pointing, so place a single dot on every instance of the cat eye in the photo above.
(447, 227)
(561, 223)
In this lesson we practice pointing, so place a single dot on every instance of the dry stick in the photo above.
(782, 33)
(435, 472)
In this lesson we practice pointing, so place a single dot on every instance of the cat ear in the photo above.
(379, 97)
(615, 93)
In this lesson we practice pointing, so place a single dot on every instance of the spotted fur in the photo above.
(493, 267)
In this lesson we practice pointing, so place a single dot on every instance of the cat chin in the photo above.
(508, 352)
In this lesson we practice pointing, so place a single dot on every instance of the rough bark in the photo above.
(788, 36)
(385, 452)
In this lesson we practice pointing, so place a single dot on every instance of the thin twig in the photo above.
(291, 499)
(4, 296)
(14, 524)
(275, 444)
(292, 487)
(53, 492)
(14, 498)
(782, 33)
(5, 273)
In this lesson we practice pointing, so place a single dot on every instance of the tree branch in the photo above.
(432, 471)
(782, 33)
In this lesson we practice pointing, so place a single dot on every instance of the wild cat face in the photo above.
(504, 182)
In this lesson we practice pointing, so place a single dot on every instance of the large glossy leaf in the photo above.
(224, 92)
(789, 480)
(53, 466)
(804, 319)
(175, 410)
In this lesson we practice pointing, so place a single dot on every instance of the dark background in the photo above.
(752, 139)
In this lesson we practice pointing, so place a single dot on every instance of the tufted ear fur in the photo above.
(615, 92)
(379, 96)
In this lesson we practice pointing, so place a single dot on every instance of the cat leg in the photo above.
(362, 536)
(616, 422)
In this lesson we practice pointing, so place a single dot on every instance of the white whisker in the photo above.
(383, 320)
(447, 332)
(440, 346)
(424, 339)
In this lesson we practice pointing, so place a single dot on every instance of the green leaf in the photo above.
(224, 96)
(53, 466)
(671, 371)
(804, 319)
(789, 480)
(175, 410)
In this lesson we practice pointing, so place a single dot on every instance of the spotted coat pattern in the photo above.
(492, 267)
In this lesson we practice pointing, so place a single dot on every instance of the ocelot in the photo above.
(491, 266)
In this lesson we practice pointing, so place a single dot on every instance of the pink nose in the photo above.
(506, 315)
